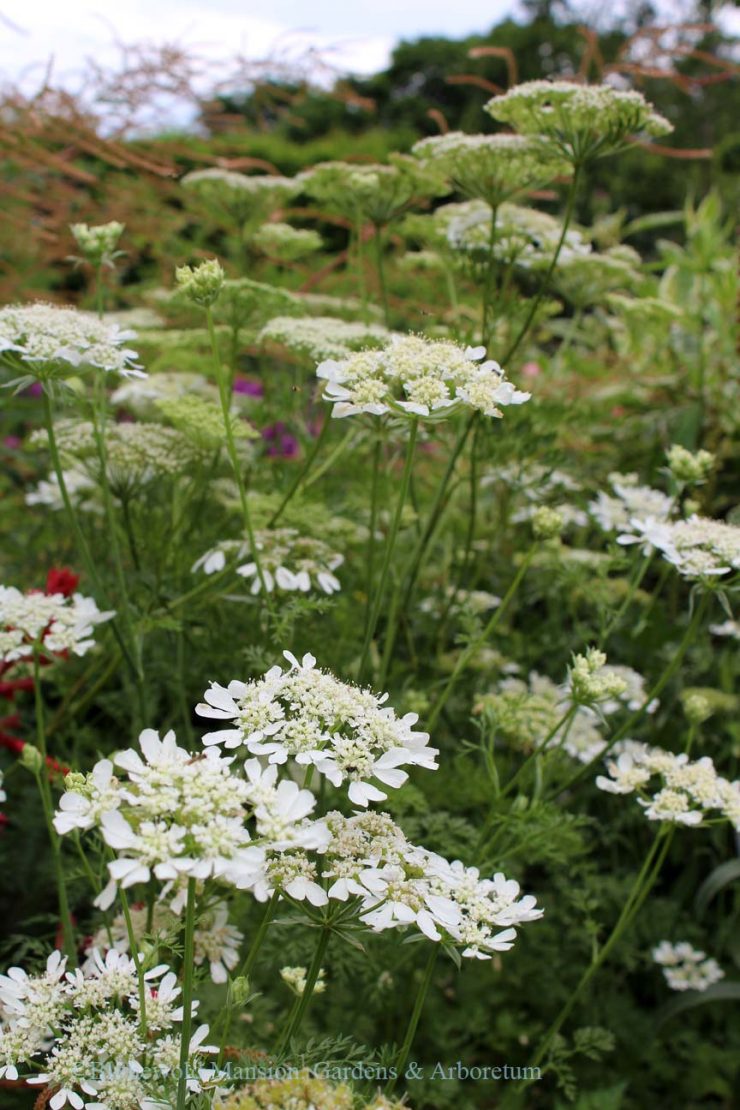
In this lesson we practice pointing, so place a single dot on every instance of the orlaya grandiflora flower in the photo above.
(177, 816)
(308, 715)
(418, 377)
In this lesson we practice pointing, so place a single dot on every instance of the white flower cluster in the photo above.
(631, 503)
(136, 452)
(372, 191)
(244, 195)
(580, 121)
(590, 681)
(98, 244)
(474, 601)
(52, 623)
(688, 789)
(141, 396)
(321, 337)
(306, 714)
(490, 168)
(414, 376)
(400, 884)
(289, 561)
(179, 816)
(286, 242)
(82, 491)
(45, 337)
(698, 548)
(685, 968)
(216, 942)
(524, 237)
(82, 1030)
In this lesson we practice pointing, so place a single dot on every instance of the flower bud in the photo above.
(32, 759)
(238, 991)
(546, 523)
(688, 466)
(201, 284)
(98, 244)
(697, 708)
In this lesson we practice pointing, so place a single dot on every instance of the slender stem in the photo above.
(537, 300)
(246, 968)
(380, 266)
(629, 596)
(302, 473)
(187, 996)
(488, 279)
(329, 461)
(641, 888)
(137, 958)
(417, 557)
(408, 1040)
(298, 1013)
(389, 546)
(42, 780)
(541, 748)
(473, 648)
(371, 541)
(224, 395)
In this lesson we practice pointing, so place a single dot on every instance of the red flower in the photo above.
(62, 580)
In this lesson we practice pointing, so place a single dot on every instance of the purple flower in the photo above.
(12, 442)
(247, 387)
(281, 444)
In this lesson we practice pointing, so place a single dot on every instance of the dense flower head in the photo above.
(48, 623)
(288, 560)
(280, 240)
(321, 337)
(300, 1090)
(201, 284)
(295, 979)
(589, 680)
(671, 787)
(686, 968)
(375, 192)
(490, 168)
(303, 713)
(140, 396)
(523, 237)
(136, 453)
(180, 816)
(49, 342)
(415, 376)
(243, 196)
(581, 122)
(78, 1033)
(98, 244)
(690, 466)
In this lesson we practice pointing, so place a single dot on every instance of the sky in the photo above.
(357, 34)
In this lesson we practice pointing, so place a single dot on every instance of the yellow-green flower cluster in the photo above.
(281, 240)
(98, 244)
(201, 284)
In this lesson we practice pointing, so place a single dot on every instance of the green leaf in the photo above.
(718, 992)
(721, 877)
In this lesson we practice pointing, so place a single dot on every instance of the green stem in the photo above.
(371, 540)
(488, 279)
(641, 888)
(389, 547)
(405, 1049)
(417, 556)
(42, 780)
(187, 996)
(302, 473)
(224, 395)
(629, 596)
(380, 266)
(569, 206)
(473, 648)
(136, 957)
(298, 1013)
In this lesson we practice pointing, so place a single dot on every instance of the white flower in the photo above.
(685, 967)
(44, 337)
(288, 561)
(52, 623)
(308, 715)
(419, 377)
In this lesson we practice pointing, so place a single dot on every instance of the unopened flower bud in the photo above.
(201, 284)
(32, 759)
(238, 991)
(697, 708)
(690, 466)
(546, 523)
(98, 244)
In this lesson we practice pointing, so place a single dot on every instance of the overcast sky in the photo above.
(359, 35)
